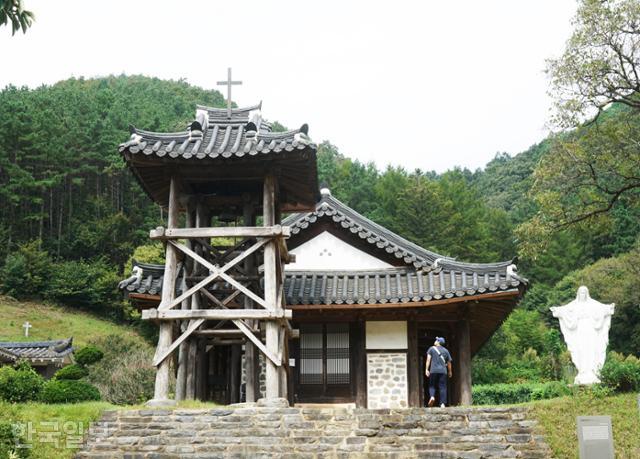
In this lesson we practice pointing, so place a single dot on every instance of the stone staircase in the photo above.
(275, 430)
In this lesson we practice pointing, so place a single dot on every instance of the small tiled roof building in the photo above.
(46, 357)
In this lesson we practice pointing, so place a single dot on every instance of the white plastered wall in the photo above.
(327, 252)
(386, 335)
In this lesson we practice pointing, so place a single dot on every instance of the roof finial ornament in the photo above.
(228, 83)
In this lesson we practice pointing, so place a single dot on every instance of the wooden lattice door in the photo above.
(325, 363)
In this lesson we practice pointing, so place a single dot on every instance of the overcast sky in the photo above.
(424, 84)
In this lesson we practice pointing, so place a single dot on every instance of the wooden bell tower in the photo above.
(223, 282)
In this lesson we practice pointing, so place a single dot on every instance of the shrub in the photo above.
(126, 375)
(148, 253)
(88, 355)
(26, 271)
(85, 284)
(68, 391)
(20, 385)
(71, 372)
(9, 438)
(503, 394)
(621, 373)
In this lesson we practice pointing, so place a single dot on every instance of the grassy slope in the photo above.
(53, 322)
(557, 419)
(71, 415)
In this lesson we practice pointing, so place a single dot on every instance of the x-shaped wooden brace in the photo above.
(200, 286)
(216, 272)
(219, 256)
(244, 328)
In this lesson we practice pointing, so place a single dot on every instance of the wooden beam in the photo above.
(225, 341)
(234, 377)
(202, 371)
(145, 297)
(215, 314)
(251, 356)
(193, 325)
(215, 271)
(247, 331)
(183, 350)
(233, 333)
(271, 287)
(244, 290)
(271, 356)
(161, 389)
(360, 363)
(161, 233)
(514, 293)
(223, 333)
(464, 355)
(413, 364)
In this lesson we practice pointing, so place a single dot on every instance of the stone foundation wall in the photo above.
(387, 385)
(263, 373)
(266, 430)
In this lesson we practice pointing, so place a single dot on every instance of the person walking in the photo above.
(437, 369)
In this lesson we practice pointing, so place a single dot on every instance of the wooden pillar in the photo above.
(234, 377)
(183, 350)
(413, 364)
(455, 350)
(283, 370)
(270, 289)
(464, 357)
(360, 365)
(190, 390)
(251, 353)
(161, 391)
(202, 370)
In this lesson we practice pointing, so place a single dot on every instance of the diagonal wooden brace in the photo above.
(244, 290)
(245, 329)
(193, 326)
(259, 344)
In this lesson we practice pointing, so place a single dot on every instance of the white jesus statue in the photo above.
(585, 326)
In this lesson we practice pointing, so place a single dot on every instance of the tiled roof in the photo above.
(381, 238)
(403, 285)
(427, 275)
(390, 286)
(145, 278)
(225, 156)
(214, 135)
(37, 350)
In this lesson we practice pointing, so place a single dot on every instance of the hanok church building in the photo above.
(349, 310)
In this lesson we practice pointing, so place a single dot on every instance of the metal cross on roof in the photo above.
(228, 83)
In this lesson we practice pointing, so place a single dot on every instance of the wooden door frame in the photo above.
(353, 366)
(449, 330)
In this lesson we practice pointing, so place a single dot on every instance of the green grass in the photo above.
(557, 418)
(69, 418)
(54, 322)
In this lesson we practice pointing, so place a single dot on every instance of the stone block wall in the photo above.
(387, 385)
(266, 430)
(261, 368)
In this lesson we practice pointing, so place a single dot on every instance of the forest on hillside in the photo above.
(73, 215)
